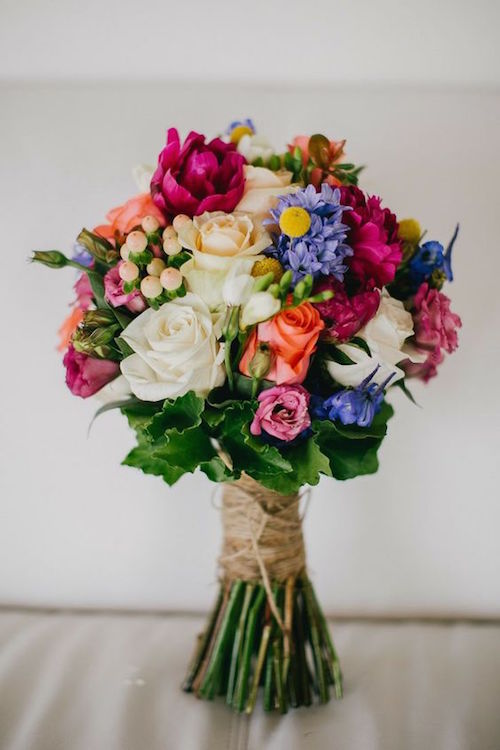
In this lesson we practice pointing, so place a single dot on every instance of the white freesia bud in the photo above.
(254, 147)
(260, 307)
(237, 289)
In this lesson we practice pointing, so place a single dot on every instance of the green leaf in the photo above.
(122, 345)
(122, 318)
(140, 413)
(217, 471)
(361, 344)
(142, 457)
(308, 464)
(176, 261)
(402, 384)
(179, 414)
(348, 458)
(97, 284)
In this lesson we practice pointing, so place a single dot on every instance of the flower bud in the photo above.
(137, 241)
(128, 271)
(50, 258)
(150, 224)
(179, 221)
(274, 289)
(237, 289)
(96, 342)
(262, 282)
(260, 307)
(155, 267)
(170, 279)
(98, 318)
(172, 246)
(261, 362)
(151, 287)
(231, 325)
(285, 281)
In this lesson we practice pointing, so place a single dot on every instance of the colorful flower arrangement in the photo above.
(248, 314)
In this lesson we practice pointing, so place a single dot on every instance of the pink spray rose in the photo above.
(87, 375)
(282, 412)
(197, 176)
(373, 237)
(113, 291)
(435, 329)
(345, 315)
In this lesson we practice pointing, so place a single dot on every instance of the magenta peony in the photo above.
(87, 375)
(435, 324)
(113, 291)
(345, 315)
(282, 412)
(372, 236)
(197, 176)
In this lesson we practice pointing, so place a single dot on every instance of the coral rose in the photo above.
(197, 176)
(291, 336)
(124, 218)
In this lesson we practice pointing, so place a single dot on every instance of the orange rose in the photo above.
(124, 218)
(292, 336)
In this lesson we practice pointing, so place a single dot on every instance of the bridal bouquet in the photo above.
(248, 312)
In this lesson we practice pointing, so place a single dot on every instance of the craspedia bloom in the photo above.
(409, 231)
(268, 265)
(310, 233)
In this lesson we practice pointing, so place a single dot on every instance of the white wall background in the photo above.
(421, 536)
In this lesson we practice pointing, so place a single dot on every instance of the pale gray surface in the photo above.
(73, 681)
(77, 529)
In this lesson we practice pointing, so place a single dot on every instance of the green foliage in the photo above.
(183, 434)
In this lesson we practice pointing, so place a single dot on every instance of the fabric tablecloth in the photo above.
(110, 681)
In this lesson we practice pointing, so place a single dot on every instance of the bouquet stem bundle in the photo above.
(267, 628)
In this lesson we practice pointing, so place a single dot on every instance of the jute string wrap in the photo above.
(262, 535)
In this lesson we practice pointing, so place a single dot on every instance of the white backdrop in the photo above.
(421, 536)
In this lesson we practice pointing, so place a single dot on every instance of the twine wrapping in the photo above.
(262, 535)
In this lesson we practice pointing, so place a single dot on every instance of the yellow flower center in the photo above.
(295, 221)
(268, 265)
(238, 132)
(409, 231)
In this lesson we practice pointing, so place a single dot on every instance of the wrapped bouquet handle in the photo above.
(267, 626)
(248, 316)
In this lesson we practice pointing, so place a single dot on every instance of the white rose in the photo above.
(255, 147)
(211, 285)
(261, 306)
(385, 334)
(262, 188)
(176, 351)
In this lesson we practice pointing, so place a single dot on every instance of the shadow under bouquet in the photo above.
(247, 313)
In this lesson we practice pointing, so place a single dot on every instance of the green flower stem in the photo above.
(227, 362)
(278, 676)
(288, 626)
(241, 687)
(334, 659)
(213, 638)
(315, 643)
(203, 641)
(303, 670)
(258, 668)
(268, 682)
(238, 643)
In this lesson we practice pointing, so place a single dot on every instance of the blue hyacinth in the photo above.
(431, 257)
(352, 405)
(321, 250)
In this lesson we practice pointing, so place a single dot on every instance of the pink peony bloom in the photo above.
(87, 375)
(372, 236)
(282, 412)
(424, 370)
(434, 323)
(113, 291)
(197, 176)
(344, 316)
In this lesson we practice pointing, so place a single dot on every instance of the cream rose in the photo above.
(175, 350)
(217, 238)
(386, 336)
(262, 188)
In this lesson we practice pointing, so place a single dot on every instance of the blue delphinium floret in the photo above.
(322, 250)
(352, 405)
(82, 255)
(431, 257)
(247, 123)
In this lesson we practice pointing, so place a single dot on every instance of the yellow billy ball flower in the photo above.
(238, 132)
(268, 265)
(295, 221)
(409, 231)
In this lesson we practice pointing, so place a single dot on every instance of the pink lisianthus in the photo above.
(373, 237)
(84, 293)
(197, 176)
(434, 322)
(282, 412)
(435, 328)
(113, 291)
(87, 375)
(345, 315)
(84, 296)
